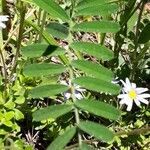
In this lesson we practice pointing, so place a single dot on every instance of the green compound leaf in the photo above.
(61, 141)
(97, 26)
(53, 112)
(98, 108)
(47, 91)
(37, 50)
(52, 8)
(93, 69)
(37, 70)
(98, 85)
(102, 10)
(96, 130)
(96, 50)
(57, 30)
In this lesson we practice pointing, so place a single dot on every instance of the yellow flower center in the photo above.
(132, 94)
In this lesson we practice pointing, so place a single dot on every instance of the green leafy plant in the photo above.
(94, 77)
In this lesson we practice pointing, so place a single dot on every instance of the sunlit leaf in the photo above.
(99, 108)
(93, 69)
(61, 141)
(102, 10)
(54, 112)
(98, 85)
(36, 70)
(57, 30)
(96, 130)
(97, 26)
(47, 91)
(52, 8)
(97, 50)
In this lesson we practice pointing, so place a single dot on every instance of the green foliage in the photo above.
(36, 70)
(93, 69)
(144, 36)
(51, 112)
(97, 85)
(38, 50)
(96, 130)
(61, 141)
(57, 30)
(98, 108)
(71, 49)
(97, 26)
(103, 10)
(87, 3)
(53, 8)
(96, 50)
(47, 91)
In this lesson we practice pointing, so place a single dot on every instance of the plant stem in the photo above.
(21, 28)
(38, 23)
(134, 132)
(76, 112)
(136, 41)
(4, 68)
(4, 73)
(42, 26)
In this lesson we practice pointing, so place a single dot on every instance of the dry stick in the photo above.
(4, 72)
(142, 130)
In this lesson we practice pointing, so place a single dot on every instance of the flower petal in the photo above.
(2, 25)
(129, 107)
(137, 102)
(144, 95)
(144, 101)
(141, 90)
(67, 95)
(128, 82)
(123, 101)
(78, 95)
(3, 18)
(133, 85)
(122, 96)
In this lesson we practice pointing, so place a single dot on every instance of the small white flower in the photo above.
(3, 18)
(78, 91)
(131, 94)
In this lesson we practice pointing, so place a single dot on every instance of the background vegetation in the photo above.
(61, 65)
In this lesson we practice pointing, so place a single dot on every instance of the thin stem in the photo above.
(134, 132)
(76, 112)
(136, 40)
(38, 22)
(4, 73)
(21, 28)
(42, 26)
(4, 68)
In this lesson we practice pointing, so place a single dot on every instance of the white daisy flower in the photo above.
(78, 91)
(3, 18)
(131, 94)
